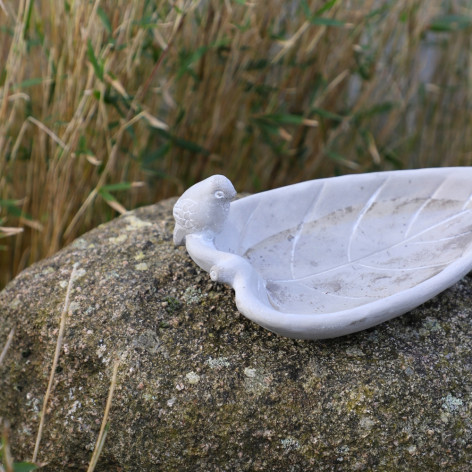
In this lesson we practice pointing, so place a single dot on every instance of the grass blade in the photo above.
(97, 66)
(105, 425)
(7, 345)
(60, 337)
(449, 23)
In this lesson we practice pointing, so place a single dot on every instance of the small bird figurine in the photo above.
(203, 208)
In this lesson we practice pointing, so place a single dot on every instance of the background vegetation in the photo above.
(107, 105)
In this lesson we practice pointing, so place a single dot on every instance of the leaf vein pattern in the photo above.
(312, 206)
(468, 201)
(245, 228)
(404, 269)
(332, 269)
(418, 212)
(448, 238)
(362, 213)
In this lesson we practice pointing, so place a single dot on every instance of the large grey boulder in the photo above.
(201, 388)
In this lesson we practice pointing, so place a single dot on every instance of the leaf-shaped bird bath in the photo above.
(329, 257)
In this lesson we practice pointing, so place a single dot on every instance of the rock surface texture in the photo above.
(199, 387)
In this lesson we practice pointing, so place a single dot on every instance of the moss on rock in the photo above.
(202, 388)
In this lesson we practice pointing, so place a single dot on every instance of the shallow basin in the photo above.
(333, 256)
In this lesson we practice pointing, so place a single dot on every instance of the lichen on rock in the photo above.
(202, 388)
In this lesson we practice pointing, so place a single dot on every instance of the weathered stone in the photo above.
(202, 388)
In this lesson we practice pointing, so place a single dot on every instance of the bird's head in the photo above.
(220, 188)
(219, 192)
(216, 188)
(203, 208)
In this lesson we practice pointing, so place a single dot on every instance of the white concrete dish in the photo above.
(333, 256)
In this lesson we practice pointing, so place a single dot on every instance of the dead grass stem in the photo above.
(60, 337)
(97, 95)
(7, 345)
(105, 424)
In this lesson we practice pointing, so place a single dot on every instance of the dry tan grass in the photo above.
(6, 459)
(57, 352)
(97, 97)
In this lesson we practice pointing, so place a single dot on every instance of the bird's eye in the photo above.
(219, 194)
